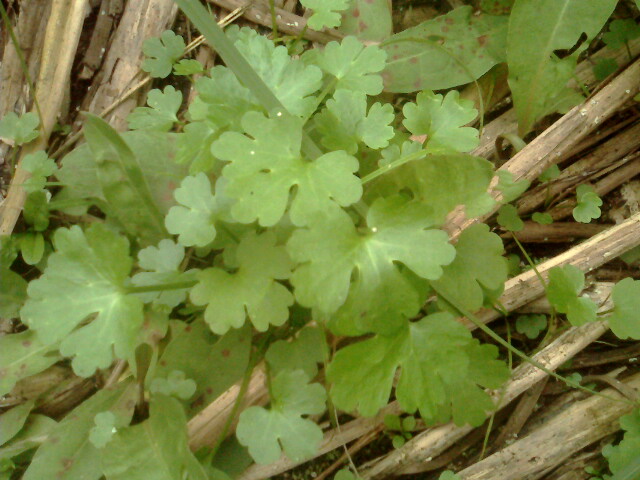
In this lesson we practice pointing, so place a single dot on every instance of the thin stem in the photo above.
(162, 287)
(395, 164)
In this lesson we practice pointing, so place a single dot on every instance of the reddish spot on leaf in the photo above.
(362, 25)
(188, 328)
(26, 343)
(395, 57)
(198, 402)
(449, 21)
(163, 363)
(445, 29)
(368, 1)
(482, 40)
(226, 353)
(66, 465)
(387, 78)
(23, 367)
(54, 439)
(209, 390)
(3, 372)
(356, 12)
(145, 325)
(413, 60)
(417, 85)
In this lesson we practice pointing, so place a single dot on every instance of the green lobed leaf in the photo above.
(161, 113)
(352, 65)
(67, 453)
(304, 353)
(444, 52)
(22, 355)
(86, 275)
(442, 120)
(565, 284)
(345, 474)
(214, 363)
(509, 219)
(34, 432)
(588, 204)
(162, 53)
(282, 427)
(626, 452)
(163, 263)
(40, 166)
(176, 384)
(36, 210)
(193, 146)
(511, 189)
(267, 164)
(479, 265)
(156, 448)
(531, 325)
(16, 130)
(542, 218)
(605, 67)
(368, 20)
(252, 291)
(188, 66)
(326, 13)
(550, 173)
(537, 77)
(103, 429)
(624, 320)
(345, 122)
(331, 250)
(440, 182)
(621, 32)
(442, 369)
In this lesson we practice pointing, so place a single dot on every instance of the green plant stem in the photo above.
(162, 287)
(274, 20)
(497, 338)
(395, 164)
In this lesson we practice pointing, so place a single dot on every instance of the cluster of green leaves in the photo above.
(282, 196)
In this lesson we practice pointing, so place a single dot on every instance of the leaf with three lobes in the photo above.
(176, 384)
(509, 219)
(624, 320)
(123, 182)
(103, 430)
(304, 352)
(352, 65)
(282, 427)
(440, 182)
(537, 76)
(444, 52)
(368, 20)
(531, 325)
(162, 53)
(86, 275)
(265, 167)
(40, 166)
(326, 13)
(588, 204)
(442, 120)
(163, 265)
(253, 287)
(542, 218)
(626, 452)
(479, 265)
(156, 448)
(620, 32)
(161, 113)
(22, 355)
(442, 369)
(331, 250)
(223, 100)
(214, 363)
(193, 220)
(67, 453)
(16, 130)
(345, 122)
(565, 284)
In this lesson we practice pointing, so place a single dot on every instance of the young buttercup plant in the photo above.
(288, 192)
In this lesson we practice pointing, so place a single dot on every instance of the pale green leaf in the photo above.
(531, 325)
(353, 65)
(176, 384)
(86, 275)
(302, 353)
(625, 453)
(162, 53)
(283, 428)
(13, 420)
(40, 166)
(444, 52)
(267, 163)
(542, 218)
(326, 13)
(34, 432)
(509, 219)
(16, 130)
(588, 204)
(511, 189)
(442, 120)
(103, 429)
(565, 284)
(22, 355)
(624, 320)
(252, 291)
(537, 76)
(331, 250)
(161, 113)
(368, 20)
